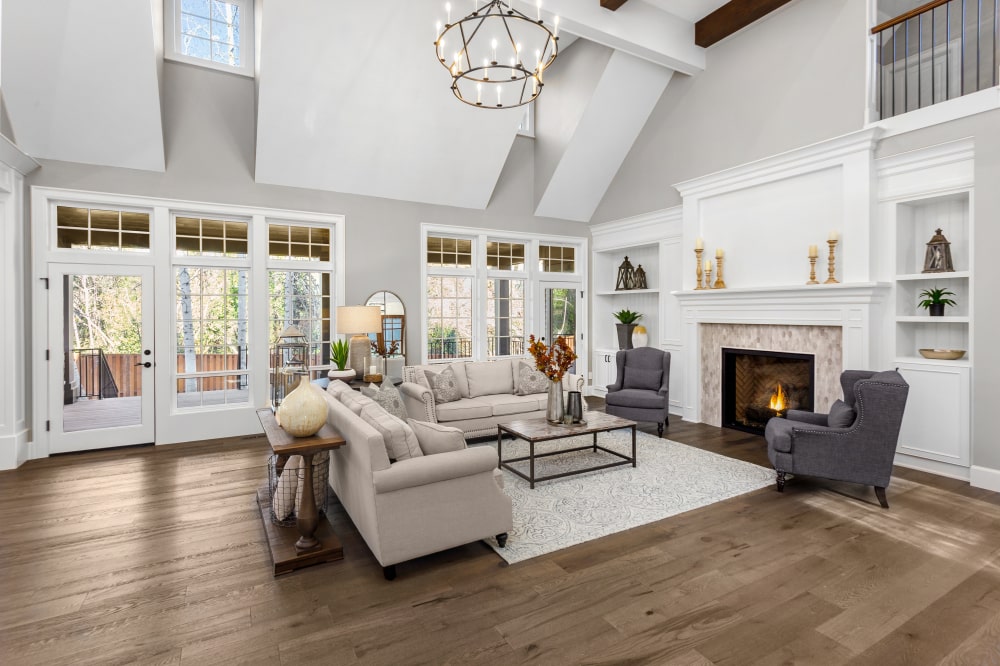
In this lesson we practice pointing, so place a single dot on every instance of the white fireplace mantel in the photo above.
(855, 307)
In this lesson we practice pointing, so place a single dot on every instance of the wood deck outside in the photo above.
(157, 555)
(116, 412)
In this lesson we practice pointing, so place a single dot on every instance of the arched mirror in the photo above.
(393, 323)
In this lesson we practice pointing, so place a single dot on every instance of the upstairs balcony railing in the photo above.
(936, 52)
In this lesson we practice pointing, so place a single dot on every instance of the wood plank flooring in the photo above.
(157, 555)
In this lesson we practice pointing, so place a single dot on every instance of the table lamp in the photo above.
(359, 321)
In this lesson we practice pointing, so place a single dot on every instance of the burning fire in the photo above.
(778, 399)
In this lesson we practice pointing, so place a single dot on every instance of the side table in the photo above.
(310, 541)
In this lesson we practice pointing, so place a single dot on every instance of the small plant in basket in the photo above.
(554, 360)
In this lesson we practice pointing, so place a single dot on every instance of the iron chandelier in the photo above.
(497, 55)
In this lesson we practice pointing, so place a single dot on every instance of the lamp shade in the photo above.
(359, 319)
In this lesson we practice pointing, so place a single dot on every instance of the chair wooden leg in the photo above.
(389, 572)
(502, 540)
(781, 481)
(880, 494)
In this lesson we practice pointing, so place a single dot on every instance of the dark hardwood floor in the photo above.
(157, 555)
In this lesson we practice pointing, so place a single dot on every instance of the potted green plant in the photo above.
(339, 351)
(934, 300)
(626, 324)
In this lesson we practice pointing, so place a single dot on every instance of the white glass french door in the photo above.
(101, 361)
(560, 310)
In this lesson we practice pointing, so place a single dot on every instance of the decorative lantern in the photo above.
(937, 259)
(626, 276)
(640, 278)
(288, 357)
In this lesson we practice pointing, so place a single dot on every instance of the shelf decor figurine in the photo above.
(626, 276)
(937, 259)
(640, 278)
(935, 299)
(699, 247)
(832, 261)
(813, 255)
(719, 282)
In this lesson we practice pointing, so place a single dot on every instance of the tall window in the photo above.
(300, 285)
(211, 282)
(449, 297)
(214, 33)
(480, 290)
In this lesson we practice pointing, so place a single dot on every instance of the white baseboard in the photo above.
(985, 477)
(932, 466)
(13, 450)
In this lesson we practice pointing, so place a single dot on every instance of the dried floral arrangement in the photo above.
(552, 361)
(379, 348)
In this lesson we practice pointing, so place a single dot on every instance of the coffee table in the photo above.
(539, 430)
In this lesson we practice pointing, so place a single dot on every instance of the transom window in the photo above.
(556, 259)
(214, 33)
(504, 256)
(298, 243)
(449, 252)
(95, 229)
(203, 237)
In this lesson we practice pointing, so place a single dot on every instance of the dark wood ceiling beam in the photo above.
(732, 17)
(612, 4)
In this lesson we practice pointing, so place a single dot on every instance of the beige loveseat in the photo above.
(488, 396)
(417, 506)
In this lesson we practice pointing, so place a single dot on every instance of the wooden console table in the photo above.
(311, 541)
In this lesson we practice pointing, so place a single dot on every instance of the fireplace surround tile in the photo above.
(824, 342)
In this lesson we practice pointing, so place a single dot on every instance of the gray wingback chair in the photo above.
(856, 442)
(642, 390)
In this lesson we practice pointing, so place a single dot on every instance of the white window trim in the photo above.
(172, 38)
(172, 425)
(534, 278)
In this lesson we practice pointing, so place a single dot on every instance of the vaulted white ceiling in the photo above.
(350, 96)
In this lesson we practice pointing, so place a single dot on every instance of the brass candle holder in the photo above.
(832, 262)
(719, 282)
(697, 254)
(812, 271)
(708, 277)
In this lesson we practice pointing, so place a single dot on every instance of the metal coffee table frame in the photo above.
(535, 431)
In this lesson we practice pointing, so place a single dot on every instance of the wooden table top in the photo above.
(284, 444)
(538, 429)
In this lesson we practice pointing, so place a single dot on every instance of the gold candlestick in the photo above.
(812, 271)
(719, 282)
(697, 254)
(708, 277)
(832, 263)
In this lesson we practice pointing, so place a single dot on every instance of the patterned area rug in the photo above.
(671, 478)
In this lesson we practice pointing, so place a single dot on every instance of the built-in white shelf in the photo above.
(924, 319)
(963, 362)
(627, 292)
(954, 275)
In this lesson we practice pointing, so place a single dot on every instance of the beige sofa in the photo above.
(418, 506)
(488, 390)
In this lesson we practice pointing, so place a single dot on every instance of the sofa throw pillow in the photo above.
(388, 398)
(400, 441)
(444, 385)
(531, 380)
(643, 378)
(436, 438)
(841, 415)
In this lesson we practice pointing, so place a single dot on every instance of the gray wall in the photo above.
(792, 79)
(209, 131)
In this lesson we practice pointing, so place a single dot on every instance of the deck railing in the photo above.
(96, 378)
(936, 52)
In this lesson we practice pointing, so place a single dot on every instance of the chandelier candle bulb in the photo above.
(479, 93)
(494, 45)
(539, 11)
(447, 8)
(555, 32)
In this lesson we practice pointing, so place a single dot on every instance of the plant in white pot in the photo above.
(339, 351)
(626, 324)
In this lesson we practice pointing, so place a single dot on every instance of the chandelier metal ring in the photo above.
(491, 46)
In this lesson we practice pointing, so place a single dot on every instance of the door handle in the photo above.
(147, 364)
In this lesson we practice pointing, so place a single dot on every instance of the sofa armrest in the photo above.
(425, 470)
(419, 402)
